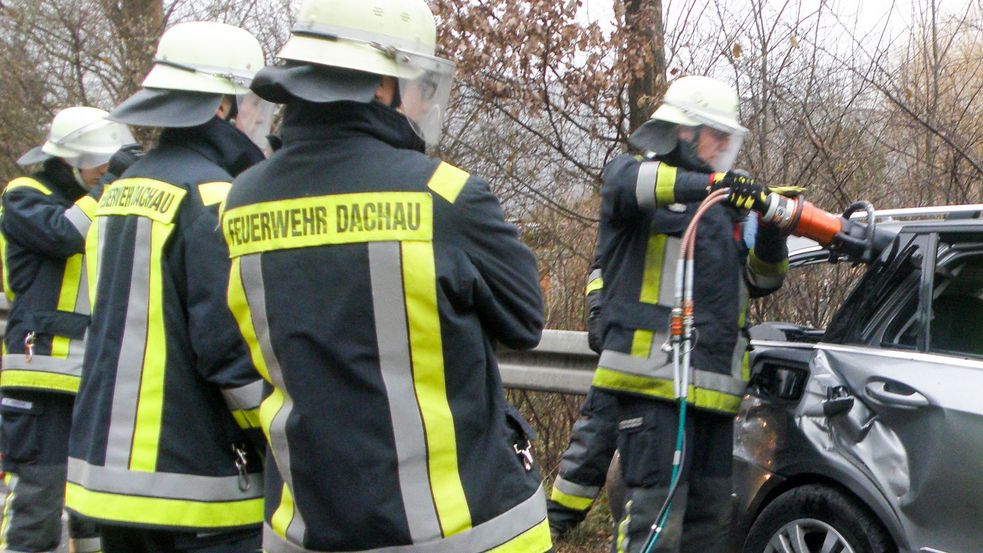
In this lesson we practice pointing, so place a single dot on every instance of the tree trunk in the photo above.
(648, 83)
(137, 24)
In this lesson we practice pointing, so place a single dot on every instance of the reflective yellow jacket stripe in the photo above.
(157, 511)
(28, 182)
(92, 262)
(3, 268)
(88, 205)
(641, 343)
(15, 378)
(448, 181)
(652, 275)
(663, 388)
(427, 354)
(596, 284)
(764, 268)
(240, 311)
(70, 283)
(214, 193)
(574, 502)
(5, 523)
(150, 405)
(144, 197)
(534, 540)
(665, 184)
(20, 182)
(326, 220)
(284, 513)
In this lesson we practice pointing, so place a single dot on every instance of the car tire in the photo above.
(807, 520)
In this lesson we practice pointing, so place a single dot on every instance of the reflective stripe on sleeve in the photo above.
(243, 402)
(571, 488)
(645, 184)
(594, 281)
(80, 215)
(764, 275)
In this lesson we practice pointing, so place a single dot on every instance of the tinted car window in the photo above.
(957, 306)
(881, 308)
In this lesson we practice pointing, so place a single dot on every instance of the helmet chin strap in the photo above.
(78, 178)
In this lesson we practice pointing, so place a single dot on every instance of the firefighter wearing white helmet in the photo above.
(44, 221)
(647, 201)
(164, 451)
(399, 344)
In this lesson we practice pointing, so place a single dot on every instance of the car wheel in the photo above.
(814, 519)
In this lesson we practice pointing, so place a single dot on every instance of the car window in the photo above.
(956, 326)
(881, 308)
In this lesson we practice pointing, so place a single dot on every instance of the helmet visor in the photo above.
(88, 161)
(719, 148)
(424, 90)
(254, 117)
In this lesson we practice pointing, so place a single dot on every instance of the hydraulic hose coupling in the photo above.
(676, 324)
(781, 211)
(801, 218)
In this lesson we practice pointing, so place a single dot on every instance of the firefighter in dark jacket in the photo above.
(647, 202)
(593, 438)
(160, 452)
(44, 220)
(372, 283)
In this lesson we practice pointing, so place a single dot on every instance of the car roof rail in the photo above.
(966, 211)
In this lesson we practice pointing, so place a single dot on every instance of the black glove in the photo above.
(123, 158)
(745, 192)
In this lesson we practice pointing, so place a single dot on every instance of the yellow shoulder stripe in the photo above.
(28, 182)
(214, 192)
(448, 181)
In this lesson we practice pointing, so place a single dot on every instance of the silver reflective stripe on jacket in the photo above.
(485, 536)
(251, 272)
(659, 367)
(577, 490)
(245, 398)
(648, 172)
(389, 313)
(45, 363)
(164, 485)
(129, 367)
(78, 218)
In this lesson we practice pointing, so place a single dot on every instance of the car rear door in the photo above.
(912, 351)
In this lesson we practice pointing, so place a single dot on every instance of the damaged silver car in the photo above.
(867, 436)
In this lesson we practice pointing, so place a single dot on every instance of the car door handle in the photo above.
(878, 389)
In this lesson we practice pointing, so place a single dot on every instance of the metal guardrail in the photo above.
(561, 362)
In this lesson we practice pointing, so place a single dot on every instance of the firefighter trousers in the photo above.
(584, 465)
(34, 440)
(702, 509)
